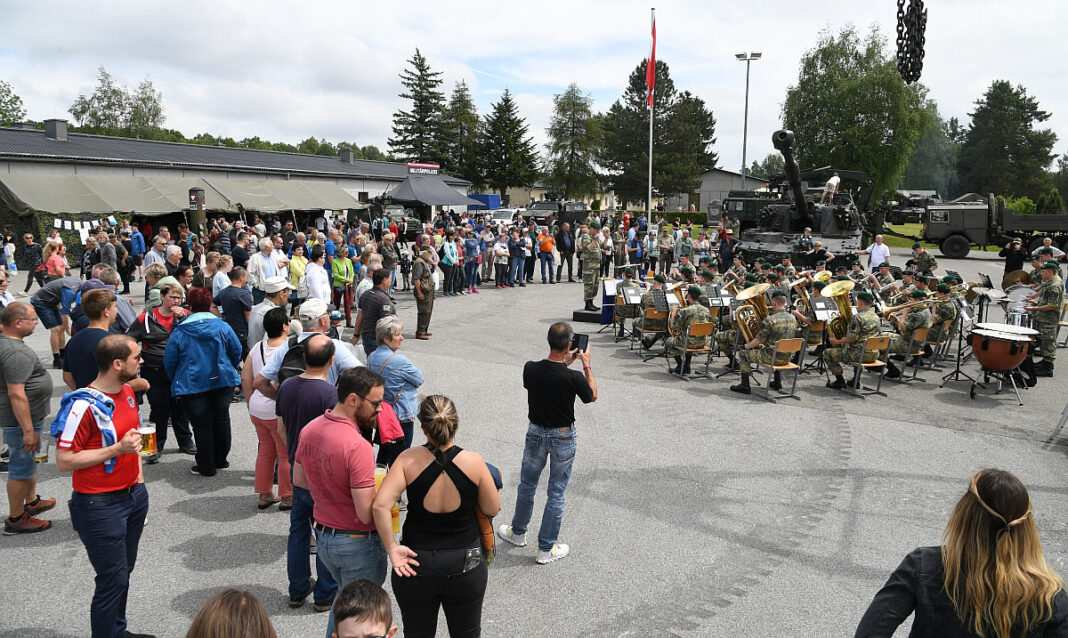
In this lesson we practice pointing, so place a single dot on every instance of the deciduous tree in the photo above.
(11, 109)
(772, 164)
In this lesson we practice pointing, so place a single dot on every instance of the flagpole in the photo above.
(649, 201)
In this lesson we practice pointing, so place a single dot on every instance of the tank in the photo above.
(841, 224)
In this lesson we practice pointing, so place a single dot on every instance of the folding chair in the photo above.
(817, 363)
(783, 346)
(919, 336)
(1063, 324)
(704, 329)
(854, 387)
(936, 338)
(639, 334)
(619, 322)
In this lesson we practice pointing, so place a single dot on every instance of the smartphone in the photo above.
(580, 342)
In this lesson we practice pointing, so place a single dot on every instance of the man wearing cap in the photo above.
(625, 311)
(1014, 254)
(878, 252)
(780, 324)
(738, 270)
(1047, 310)
(923, 262)
(619, 248)
(423, 289)
(946, 310)
(788, 267)
(590, 252)
(907, 321)
(651, 325)
(850, 348)
(276, 290)
(884, 276)
(680, 320)
(815, 337)
(857, 274)
(903, 288)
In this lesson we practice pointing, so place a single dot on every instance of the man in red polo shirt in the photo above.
(336, 463)
(99, 443)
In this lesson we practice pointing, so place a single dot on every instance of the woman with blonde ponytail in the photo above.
(988, 579)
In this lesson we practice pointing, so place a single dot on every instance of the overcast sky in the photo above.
(285, 71)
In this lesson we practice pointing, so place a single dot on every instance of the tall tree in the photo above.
(571, 166)
(683, 134)
(773, 164)
(106, 109)
(1059, 178)
(145, 109)
(933, 163)
(508, 156)
(461, 141)
(851, 109)
(417, 133)
(1004, 152)
(11, 109)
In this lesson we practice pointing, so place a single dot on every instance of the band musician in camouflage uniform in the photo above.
(815, 337)
(590, 251)
(657, 325)
(850, 348)
(1047, 311)
(910, 320)
(680, 320)
(780, 324)
(923, 262)
(625, 311)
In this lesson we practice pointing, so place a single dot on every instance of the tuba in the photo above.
(839, 292)
(749, 317)
(799, 286)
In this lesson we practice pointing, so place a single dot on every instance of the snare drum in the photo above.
(1019, 317)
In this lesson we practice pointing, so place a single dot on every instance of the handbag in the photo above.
(485, 527)
(389, 426)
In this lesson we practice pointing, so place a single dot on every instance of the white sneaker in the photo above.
(505, 532)
(558, 551)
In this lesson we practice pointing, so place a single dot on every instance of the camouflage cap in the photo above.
(660, 279)
(866, 297)
(1051, 265)
(694, 291)
(918, 294)
(777, 294)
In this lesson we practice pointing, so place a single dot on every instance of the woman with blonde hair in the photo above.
(988, 579)
(232, 614)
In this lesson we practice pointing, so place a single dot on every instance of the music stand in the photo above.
(660, 302)
(964, 314)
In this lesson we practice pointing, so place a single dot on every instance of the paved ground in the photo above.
(692, 511)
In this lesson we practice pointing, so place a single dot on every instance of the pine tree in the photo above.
(417, 133)
(462, 139)
(573, 137)
(508, 156)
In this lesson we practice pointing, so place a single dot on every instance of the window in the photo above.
(939, 216)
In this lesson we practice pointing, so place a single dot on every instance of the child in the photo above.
(362, 608)
(405, 263)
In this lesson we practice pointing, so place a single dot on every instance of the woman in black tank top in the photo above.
(439, 562)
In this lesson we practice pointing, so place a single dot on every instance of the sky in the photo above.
(330, 69)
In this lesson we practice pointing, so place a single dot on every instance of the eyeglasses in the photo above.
(374, 404)
(173, 298)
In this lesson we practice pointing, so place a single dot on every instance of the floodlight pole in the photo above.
(747, 58)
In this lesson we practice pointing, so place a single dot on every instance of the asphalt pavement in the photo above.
(692, 511)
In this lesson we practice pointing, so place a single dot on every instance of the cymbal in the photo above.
(752, 291)
(1016, 276)
(838, 287)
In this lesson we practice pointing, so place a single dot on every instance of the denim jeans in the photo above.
(350, 559)
(470, 274)
(298, 551)
(558, 446)
(546, 258)
(209, 412)
(110, 527)
(515, 270)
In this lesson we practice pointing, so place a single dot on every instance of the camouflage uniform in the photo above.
(653, 324)
(1052, 293)
(740, 270)
(884, 280)
(924, 264)
(625, 311)
(778, 325)
(791, 273)
(862, 326)
(590, 251)
(619, 249)
(727, 340)
(421, 273)
(921, 318)
(685, 317)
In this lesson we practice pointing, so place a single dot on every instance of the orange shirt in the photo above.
(545, 243)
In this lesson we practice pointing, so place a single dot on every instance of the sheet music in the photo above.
(610, 286)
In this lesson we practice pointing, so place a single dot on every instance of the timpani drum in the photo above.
(999, 351)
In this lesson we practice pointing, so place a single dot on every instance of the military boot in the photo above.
(743, 387)
(678, 366)
(776, 383)
(590, 307)
(892, 371)
(838, 383)
(686, 365)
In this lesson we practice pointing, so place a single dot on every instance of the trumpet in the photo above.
(912, 304)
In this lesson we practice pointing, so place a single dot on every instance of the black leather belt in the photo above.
(341, 532)
(118, 492)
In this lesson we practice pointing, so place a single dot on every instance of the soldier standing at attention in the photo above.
(682, 319)
(923, 262)
(1047, 311)
(424, 293)
(658, 325)
(780, 324)
(850, 348)
(590, 251)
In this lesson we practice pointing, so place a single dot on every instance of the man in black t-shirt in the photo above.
(551, 391)
(374, 304)
(236, 304)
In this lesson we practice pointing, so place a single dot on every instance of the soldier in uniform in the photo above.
(1047, 310)
(423, 287)
(903, 288)
(626, 311)
(850, 348)
(945, 310)
(680, 319)
(788, 267)
(820, 266)
(739, 270)
(590, 252)
(619, 246)
(678, 272)
(857, 274)
(780, 324)
(911, 319)
(706, 278)
(923, 262)
(883, 276)
(659, 325)
(815, 337)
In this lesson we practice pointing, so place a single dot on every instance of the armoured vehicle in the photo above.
(560, 211)
(396, 212)
(746, 206)
(842, 224)
(957, 226)
(908, 206)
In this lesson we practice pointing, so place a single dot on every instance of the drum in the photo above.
(1018, 317)
(1008, 328)
(999, 351)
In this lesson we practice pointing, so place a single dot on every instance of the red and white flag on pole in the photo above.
(650, 68)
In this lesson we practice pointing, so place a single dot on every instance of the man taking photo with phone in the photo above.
(551, 390)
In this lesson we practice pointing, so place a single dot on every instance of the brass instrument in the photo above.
(823, 275)
(912, 304)
(799, 286)
(679, 290)
(748, 318)
(731, 288)
(839, 292)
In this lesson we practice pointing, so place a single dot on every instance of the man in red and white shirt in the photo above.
(100, 445)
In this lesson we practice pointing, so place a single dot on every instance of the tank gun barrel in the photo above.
(783, 141)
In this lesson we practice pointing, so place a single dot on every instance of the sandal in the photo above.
(266, 501)
(285, 504)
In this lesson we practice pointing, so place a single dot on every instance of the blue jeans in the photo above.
(515, 270)
(470, 273)
(546, 258)
(369, 344)
(110, 527)
(558, 445)
(350, 559)
(298, 551)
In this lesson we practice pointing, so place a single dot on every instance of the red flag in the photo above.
(650, 68)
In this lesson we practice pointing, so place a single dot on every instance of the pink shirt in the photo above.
(336, 459)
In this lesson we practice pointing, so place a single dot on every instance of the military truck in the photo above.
(956, 227)
(560, 212)
(746, 206)
(395, 212)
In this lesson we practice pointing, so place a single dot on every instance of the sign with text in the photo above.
(423, 169)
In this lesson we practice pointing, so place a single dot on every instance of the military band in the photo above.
(780, 324)
(679, 320)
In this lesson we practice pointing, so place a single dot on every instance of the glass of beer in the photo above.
(41, 455)
(148, 440)
(380, 474)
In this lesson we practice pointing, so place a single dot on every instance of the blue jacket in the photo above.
(137, 242)
(202, 354)
(402, 377)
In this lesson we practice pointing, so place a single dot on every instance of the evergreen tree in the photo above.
(508, 156)
(1003, 151)
(573, 136)
(461, 142)
(417, 133)
(933, 163)
(11, 109)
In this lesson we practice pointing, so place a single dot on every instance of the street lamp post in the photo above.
(747, 58)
